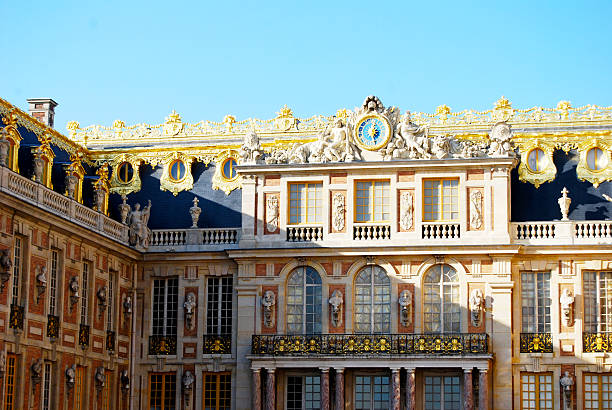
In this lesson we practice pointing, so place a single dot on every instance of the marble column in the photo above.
(271, 390)
(324, 388)
(410, 390)
(256, 389)
(468, 400)
(483, 390)
(395, 389)
(339, 389)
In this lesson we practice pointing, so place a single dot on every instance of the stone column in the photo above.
(271, 390)
(256, 389)
(410, 389)
(483, 390)
(324, 388)
(468, 400)
(339, 389)
(395, 389)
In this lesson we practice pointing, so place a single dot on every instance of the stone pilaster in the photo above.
(339, 389)
(501, 340)
(256, 389)
(395, 389)
(468, 399)
(483, 390)
(271, 390)
(324, 388)
(410, 389)
(246, 300)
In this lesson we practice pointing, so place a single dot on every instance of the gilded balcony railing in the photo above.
(217, 344)
(84, 335)
(162, 345)
(53, 326)
(536, 343)
(378, 344)
(596, 342)
(16, 317)
(110, 340)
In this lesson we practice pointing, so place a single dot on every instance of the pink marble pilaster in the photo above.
(256, 389)
(468, 400)
(410, 390)
(339, 389)
(483, 390)
(271, 390)
(324, 389)
(395, 389)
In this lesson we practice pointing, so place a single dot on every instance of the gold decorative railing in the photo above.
(162, 345)
(110, 340)
(536, 343)
(217, 344)
(84, 331)
(378, 344)
(53, 326)
(596, 342)
(16, 317)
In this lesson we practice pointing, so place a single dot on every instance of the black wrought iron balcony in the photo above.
(84, 335)
(217, 344)
(162, 345)
(378, 344)
(16, 317)
(536, 343)
(53, 326)
(596, 342)
(110, 340)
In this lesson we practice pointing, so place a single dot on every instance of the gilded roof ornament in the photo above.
(173, 125)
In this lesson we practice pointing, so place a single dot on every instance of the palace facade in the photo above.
(364, 260)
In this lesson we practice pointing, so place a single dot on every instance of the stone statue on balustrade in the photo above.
(250, 152)
(140, 234)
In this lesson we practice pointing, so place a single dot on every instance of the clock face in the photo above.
(373, 132)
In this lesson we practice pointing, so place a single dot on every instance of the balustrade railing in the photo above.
(162, 345)
(593, 230)
(365, 232)
(53, 327)
(562, 232)
(536, 343)
(183, 237)
(84, 331)
(440, 231)
(596, 342)
(16, 317)
(534, 230)
(217, 344)
(376, 345)
(304, 233)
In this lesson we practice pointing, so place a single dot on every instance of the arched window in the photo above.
(304, 301)
(442, 312)
(372, 301)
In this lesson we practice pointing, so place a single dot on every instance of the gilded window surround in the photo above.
(134, 185)
(219, 181)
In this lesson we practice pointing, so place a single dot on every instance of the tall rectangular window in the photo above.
(84, 293)
(53, 283)
(597, 391)
(108, 387)
(303, 392)
(372, 201)
(305, 203)
(46, 396)
(536, 391)
(9, 388)
(162, 391)
(217, 391)
(535, 299)
(372, 392)
(440, 200)
(111, 301)
(17, 266)
(79, 388)
(165, 306)
(597, 302)
(442, 392)
(219, 306)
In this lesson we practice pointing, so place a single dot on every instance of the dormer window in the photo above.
(177, 170)
(536, 160)
(596, 159)
(229, 169)
(125, 172)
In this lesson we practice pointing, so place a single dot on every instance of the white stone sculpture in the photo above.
(101, 294)
(127, 306)
(476, 307)
(138, 220)
(500, 145)
(6, 267)
(71, 183)
(272, 213)
(567, 383)
(338, 208)
(41, 280)
(5, 146)
(73, 286)
(195, 212)
(337, 145)
(406, 209)
(476, 209)
(99, 378)
(99, 197)
(567, 301)
(410, 141)
(187, 381)
(335, 302)
(405, 303)
(124, 209)
(2, 363)
(250, 151)
(124, 379)
(440, 146)
(36, 370)
(39, 165)
(189, 305)
(267, 302)
(70, 376)
(564, 204)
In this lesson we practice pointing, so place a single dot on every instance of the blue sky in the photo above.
(136, 61)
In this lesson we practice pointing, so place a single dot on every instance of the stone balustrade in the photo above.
(562, 233)
(304, 233)
(194, 239)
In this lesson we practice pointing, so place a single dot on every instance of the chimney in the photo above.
(43, 109)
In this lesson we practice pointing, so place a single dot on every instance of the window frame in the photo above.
(304, 305)
(303, 203)
(127, 166)
(54, 302)
(371, 205)
(110, 318)
(165, 305)
(442, 375)
(541, 162)
(184, 170)
(18, 264)
(164, 375)
(46, 399)
(442, 286)
(217, 376)
(9, 382)
(547, 325)
(79, 387)
(303, 377)
(372, 377)
(85, 283)
(387, 324)
(107, 394)
(597, 306)
(440, 200)
(600, 391)
(537, 385)
(216, 313)
(231, 168)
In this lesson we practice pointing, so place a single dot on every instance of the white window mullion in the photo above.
(219, 290)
